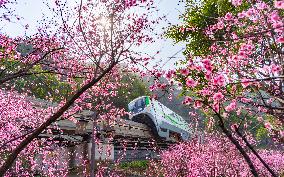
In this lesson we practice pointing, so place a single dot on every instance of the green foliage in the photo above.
(49, 86)
(197, 17)
(261, 133)
(132, 88)
(141, 164)
(44, 86)
(276, 124)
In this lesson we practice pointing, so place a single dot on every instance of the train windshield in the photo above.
(137, 106)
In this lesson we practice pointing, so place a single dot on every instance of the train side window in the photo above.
(135, 107)
(138, 106)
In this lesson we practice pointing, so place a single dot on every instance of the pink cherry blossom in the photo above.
(241, 15)
(281, 133)
(268, 125)
(220, 25)
(279, 4)
(280, 40)
(232, 106)
(190, 82)
(236, 2)
(245, 83)
(187, 100)
(275, 68)
(197, 104)
(228, 16)
(246, 100)
(206, 62)
(260, 119)
(219, 80)
(184, 72)
(275, 17)
(218, 96)
(261, 5)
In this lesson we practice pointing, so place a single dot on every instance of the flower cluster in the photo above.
(214, 157)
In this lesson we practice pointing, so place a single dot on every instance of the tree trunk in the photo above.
(237, 144)
(93, 149)
(256, 154)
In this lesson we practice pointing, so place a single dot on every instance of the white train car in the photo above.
(165, 123)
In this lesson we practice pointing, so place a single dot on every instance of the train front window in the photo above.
(131, 107)
(138, 106)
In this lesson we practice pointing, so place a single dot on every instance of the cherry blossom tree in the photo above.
(239, 79)
(84, 42)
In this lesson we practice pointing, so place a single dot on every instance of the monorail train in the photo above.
(164, 123)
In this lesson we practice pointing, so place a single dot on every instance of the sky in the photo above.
(33, 10)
